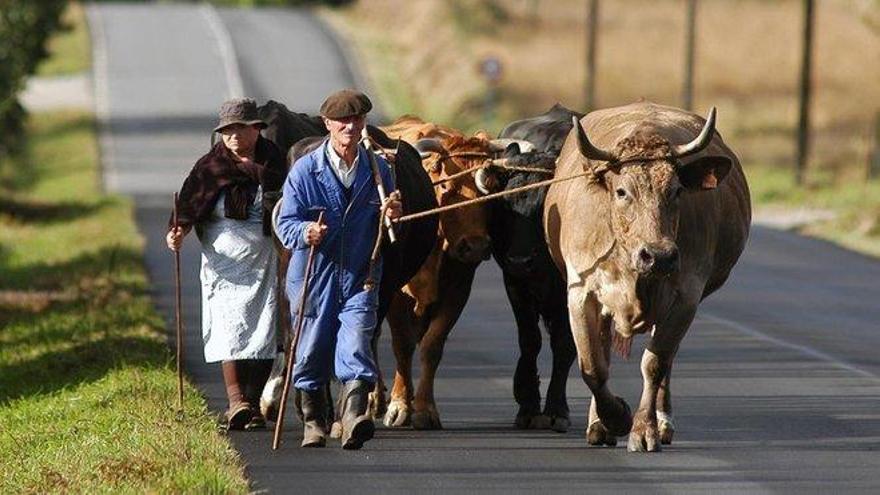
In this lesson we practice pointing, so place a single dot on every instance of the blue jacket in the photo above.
(343, 257)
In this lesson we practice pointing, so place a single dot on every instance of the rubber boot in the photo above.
(357, 424)
(314, 417)
(239, 412)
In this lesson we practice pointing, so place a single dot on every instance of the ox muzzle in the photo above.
(657, 259)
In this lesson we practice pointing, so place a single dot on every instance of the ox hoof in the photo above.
(597, 434)
(377, 405)
(559, 424)
(426, 420)
(540, 422)
(644, 437)
(336, 430)
(617, 419)
(397, 414)
(667, 431)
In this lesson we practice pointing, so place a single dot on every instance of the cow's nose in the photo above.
(472, 249)
(657, 259)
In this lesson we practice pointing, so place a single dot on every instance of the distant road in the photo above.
(776, 388)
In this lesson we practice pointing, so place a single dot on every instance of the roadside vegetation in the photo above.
(88, 387)
(746, 64)
(69, 51)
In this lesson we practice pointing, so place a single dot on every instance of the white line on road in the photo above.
(227, 50)
(809, 351)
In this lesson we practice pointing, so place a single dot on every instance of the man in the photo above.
(340, 314)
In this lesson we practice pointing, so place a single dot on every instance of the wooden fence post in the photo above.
(803, 134)
(687, 92)
(592, 27)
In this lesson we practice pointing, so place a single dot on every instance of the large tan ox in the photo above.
(654, 228)
(426, 309)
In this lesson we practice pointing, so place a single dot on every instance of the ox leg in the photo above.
(457, 289)
(404, 326)
(564, 353)
(593, 341)
(656, 365)
(526, 383)
(664, 410)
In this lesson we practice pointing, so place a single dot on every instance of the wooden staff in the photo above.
(291, 349)
(377, 178)
(175, 226)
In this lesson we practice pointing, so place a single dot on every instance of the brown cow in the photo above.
(655, 227)
(425, 310)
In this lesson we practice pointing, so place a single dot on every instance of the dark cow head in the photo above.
(641, 183)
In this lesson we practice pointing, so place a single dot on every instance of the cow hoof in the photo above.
(522, 421)
(336, 430)
(559, 424)
(644, 438)
(397, 414)
(377, 405)
(269, 411)
(426, 420)
(597, 434)
(618, 420)
(540, 422)
(667, 430)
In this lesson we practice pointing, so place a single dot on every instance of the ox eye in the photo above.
(620, 193)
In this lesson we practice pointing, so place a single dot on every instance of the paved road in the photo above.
(776, 387)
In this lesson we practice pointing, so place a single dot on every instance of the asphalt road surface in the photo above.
(775, 388)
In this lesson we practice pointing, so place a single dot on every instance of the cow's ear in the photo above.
(704, 173)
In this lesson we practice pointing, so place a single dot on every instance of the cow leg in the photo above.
(456, 290)
(664, 410)
(593, 342)
(526, 383)
(403, 324)
(655, 366)
(564, 353)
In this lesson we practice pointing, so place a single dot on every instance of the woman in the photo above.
(228, 198)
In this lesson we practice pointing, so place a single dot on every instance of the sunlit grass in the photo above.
(69, 49)
(88, 388)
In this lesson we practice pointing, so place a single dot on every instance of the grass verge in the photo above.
(87, 384)
(69, 49)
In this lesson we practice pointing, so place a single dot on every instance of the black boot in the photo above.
(357, 424)
(314, 417)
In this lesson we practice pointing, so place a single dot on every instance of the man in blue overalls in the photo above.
(340, 314)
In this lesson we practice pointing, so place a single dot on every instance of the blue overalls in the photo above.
(339, 316)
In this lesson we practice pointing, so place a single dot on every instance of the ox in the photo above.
(534, 287)
(419, 315)
(654, 227)
(400, 260)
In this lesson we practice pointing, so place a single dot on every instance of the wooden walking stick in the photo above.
(291, 349)
(377, 178)
(175, 226)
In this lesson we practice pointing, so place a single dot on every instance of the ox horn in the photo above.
(701, 141)
(586, 147)
(480, 179)
(501, 144)
(425, 146)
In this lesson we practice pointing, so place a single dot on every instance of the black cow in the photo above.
(534, 286)
(401, 259)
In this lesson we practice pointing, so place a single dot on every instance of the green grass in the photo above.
(88, 388)
(69, 49)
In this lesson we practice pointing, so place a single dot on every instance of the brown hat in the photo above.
(239, 111)
(345, 103)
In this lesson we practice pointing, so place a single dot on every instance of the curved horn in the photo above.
(429, 145)
(586, 147)
(701, 141)
(501, 144)
(480, 179)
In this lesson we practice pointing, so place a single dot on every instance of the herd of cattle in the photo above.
(653, 223)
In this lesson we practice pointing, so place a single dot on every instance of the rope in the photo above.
(487, 164)
(370, 281)
(489, 197)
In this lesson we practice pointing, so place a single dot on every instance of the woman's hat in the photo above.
(239, 111)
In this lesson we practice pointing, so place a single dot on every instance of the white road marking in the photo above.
(809, 351)
(235, 86)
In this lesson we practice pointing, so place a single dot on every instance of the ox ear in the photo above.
(704, 173)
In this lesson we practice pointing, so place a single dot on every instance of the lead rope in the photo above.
(370, 281)
(487, 164)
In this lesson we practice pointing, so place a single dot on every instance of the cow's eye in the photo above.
(620, 192)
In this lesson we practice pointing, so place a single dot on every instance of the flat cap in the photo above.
(345, 103)
(239, 111)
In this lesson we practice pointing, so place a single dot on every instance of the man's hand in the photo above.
(394, 208)
(315, 233)
(174, 237)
